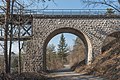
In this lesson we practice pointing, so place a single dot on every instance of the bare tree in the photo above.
(8, 10)
(6, 36)
(11, 34)
(111, 3)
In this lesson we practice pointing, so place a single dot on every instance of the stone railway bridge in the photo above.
(91, 29)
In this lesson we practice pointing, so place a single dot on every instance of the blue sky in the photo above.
(67, 4)
(70, 38)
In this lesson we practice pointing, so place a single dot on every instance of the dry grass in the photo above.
(106, 65)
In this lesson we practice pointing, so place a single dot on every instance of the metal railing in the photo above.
(65, 11)
(70, 12)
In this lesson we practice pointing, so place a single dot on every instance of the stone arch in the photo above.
(81, 35)
(110, 41)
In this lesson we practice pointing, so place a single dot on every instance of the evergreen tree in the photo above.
(62, 49)
(110, 11)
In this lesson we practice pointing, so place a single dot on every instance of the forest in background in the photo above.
(64, 56)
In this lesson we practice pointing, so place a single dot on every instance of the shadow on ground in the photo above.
(67, 74)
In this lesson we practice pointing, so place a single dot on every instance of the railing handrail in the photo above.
(63, 11)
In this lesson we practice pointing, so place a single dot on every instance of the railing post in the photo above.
(43, 12)
(62, 11)
(79, 12)
(52, 11)
(0, 32)
(71, 12)
(89, 12)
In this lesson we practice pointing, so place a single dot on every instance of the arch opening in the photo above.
(82, 36)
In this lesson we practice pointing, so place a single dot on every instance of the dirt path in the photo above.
(71, 76)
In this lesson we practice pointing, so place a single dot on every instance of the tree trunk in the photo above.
(6, 36)
(19, 62)
(19, 58)
(11, 35)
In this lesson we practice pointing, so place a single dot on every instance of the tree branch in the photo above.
(104, 2)
(3, 8)
(2, 46)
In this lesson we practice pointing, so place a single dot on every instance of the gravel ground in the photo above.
(71, 76)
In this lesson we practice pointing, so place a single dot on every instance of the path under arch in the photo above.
(70, 75)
